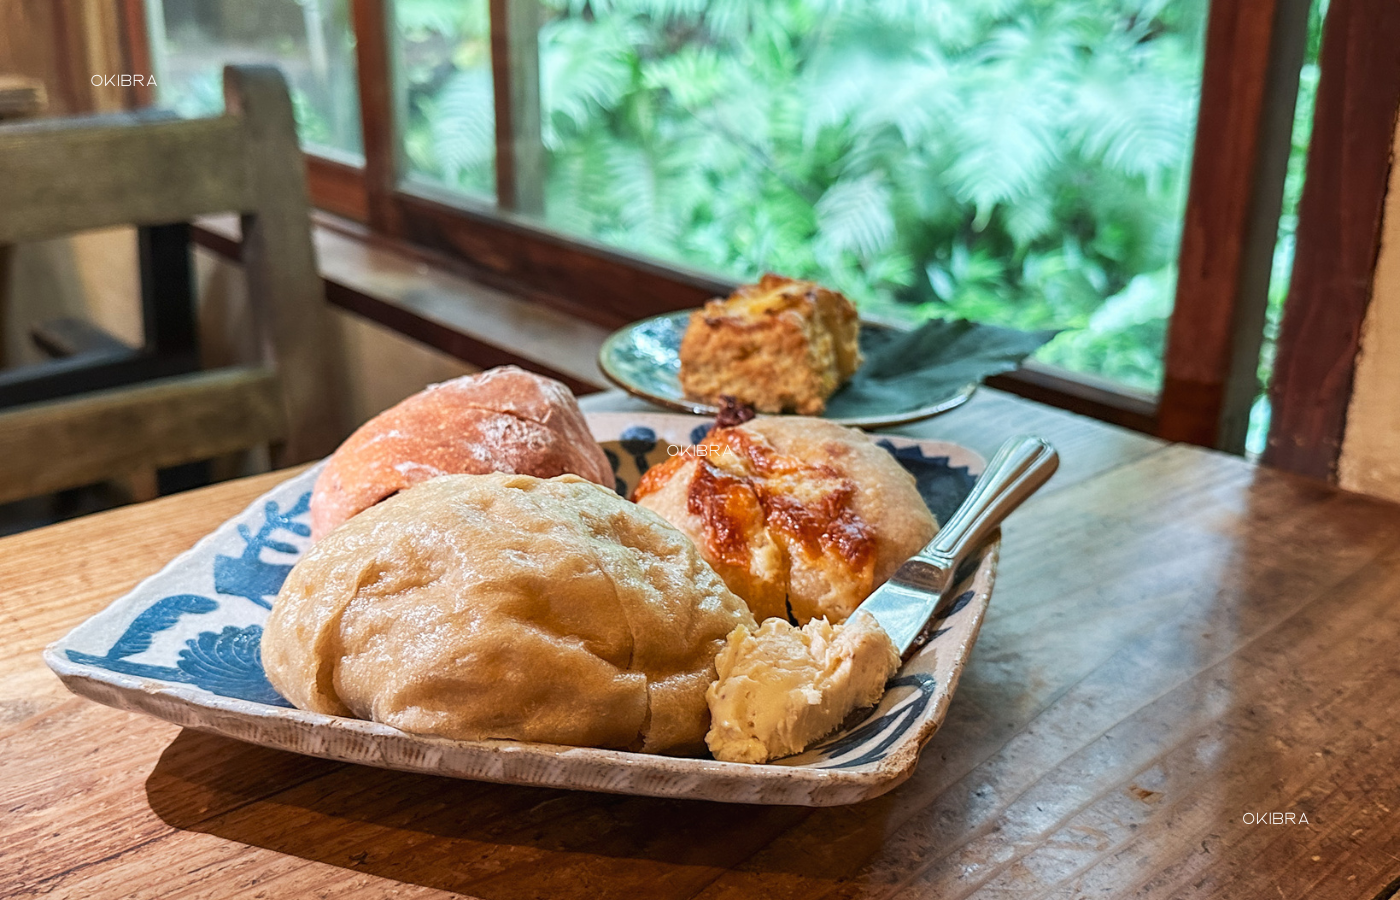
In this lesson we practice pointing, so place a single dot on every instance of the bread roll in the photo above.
(506, 606)
(501, 420)
(793, 512)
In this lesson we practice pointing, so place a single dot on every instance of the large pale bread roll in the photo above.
(506, 606)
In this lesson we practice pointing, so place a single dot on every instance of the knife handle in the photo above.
(1019, 468)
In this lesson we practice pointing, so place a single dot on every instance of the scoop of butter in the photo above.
(781, 688)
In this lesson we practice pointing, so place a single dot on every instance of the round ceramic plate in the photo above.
(644, 359)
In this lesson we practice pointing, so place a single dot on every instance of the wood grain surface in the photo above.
(1177, 639)
(167, 171)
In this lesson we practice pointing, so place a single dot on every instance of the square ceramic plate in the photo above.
(184, 646)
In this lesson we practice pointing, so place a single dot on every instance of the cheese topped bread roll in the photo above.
(801, 517)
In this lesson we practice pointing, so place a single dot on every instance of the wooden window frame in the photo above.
(1340, 221)
(1253, 55)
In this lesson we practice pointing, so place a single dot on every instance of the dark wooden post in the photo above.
(1339, 229)
(374, 30)
(515, 74)
(1254, 52)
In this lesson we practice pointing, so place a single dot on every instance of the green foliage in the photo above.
(200, 93)
(444, 64)
(1017, 162)
(195, 48)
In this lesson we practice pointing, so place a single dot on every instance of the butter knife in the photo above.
(904, 604)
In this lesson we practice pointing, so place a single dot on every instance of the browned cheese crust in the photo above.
(781, 345)
(793, 511)
(501, 420)
(506, 606)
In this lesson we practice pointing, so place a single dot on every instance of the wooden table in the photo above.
(1178, 641)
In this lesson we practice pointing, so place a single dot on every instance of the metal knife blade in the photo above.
(903, 604)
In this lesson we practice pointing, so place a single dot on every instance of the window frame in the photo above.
(1253, 55)
(1341, 222)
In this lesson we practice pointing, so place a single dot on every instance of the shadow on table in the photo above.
(498, 841)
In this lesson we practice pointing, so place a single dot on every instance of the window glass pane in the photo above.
(309, 40)
(444, 89)
(1013, 161)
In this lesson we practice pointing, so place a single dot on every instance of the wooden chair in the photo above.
(146, 169)
(21, 97)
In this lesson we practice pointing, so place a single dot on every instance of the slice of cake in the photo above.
(781, 345)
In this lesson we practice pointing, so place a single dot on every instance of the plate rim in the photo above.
(695, 407)
(372, 743)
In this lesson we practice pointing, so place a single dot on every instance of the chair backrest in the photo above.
(65, 175)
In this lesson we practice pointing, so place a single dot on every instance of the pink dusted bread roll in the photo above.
(501, 420)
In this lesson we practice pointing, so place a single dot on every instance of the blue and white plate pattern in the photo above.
(184, 646)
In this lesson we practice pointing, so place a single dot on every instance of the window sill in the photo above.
(425, 298)
(431, 298)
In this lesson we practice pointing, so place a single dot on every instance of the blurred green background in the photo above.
(1018, 162)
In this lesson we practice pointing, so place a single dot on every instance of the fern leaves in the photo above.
(1013, 160)
(855, 216)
